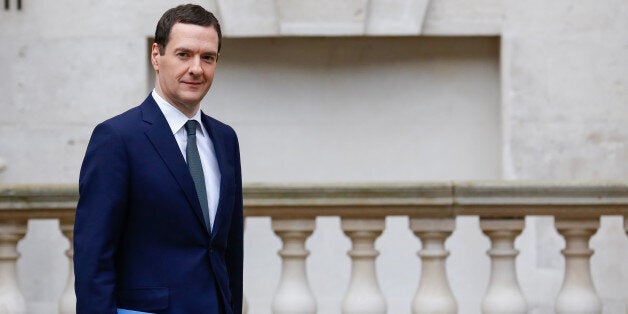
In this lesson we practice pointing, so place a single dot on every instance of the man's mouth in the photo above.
(192, 83)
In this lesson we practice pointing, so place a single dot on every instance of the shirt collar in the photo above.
(176, 119)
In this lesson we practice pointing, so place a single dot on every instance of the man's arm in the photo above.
(234, 253)
(103, 187)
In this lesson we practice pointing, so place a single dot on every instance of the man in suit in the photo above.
(159, 221)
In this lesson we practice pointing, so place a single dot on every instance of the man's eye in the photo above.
(209, 58)
(182, 54)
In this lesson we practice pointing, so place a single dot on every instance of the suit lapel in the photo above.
(160, 135)
(226, 171)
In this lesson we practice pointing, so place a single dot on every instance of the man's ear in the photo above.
(154, 56)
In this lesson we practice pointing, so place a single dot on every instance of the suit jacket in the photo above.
(140, 242)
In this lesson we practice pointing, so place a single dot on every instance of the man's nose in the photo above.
(195, 66)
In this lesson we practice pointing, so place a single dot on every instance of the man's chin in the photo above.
(192, 98)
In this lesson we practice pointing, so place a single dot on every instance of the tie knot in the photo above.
(190, 126)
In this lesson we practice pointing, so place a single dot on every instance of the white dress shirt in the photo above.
(176, 120)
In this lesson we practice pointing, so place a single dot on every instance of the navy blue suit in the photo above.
(139, 238)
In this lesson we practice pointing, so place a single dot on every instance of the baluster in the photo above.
(577, 294)
(363, 295)
(11, 299)
(293, 295)
(67, 304)
(434, 294)
(503, 294)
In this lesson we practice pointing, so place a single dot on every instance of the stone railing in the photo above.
(431, 208)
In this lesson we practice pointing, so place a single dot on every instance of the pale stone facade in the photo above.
(421, 90)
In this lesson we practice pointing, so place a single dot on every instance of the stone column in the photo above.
(503, 294)
(67, 304)
(293, 295)
(363, 295)
(578, 294)
(11, 299)
(434, 294)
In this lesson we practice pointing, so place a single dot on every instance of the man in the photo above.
(159, 221)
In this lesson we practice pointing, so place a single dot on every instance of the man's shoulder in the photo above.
(217, 125)
(128, 120)
(124, 118)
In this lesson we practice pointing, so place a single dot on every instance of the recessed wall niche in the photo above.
(356, 109)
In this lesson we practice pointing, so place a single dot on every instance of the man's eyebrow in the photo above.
(185, 49)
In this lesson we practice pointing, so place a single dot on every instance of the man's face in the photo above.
(186, 69)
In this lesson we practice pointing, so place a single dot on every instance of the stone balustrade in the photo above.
(431, 208)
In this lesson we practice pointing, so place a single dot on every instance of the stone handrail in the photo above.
(431, 208)
(493, 199)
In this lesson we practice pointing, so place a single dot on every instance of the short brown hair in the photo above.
(187, 14)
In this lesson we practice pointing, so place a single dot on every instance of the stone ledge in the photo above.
(427, 199)
(275, 18)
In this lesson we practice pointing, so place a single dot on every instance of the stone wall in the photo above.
(543, 97)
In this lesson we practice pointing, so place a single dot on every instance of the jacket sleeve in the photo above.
(234, 252)
(103, 189)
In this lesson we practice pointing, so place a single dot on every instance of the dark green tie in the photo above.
(196, 170)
